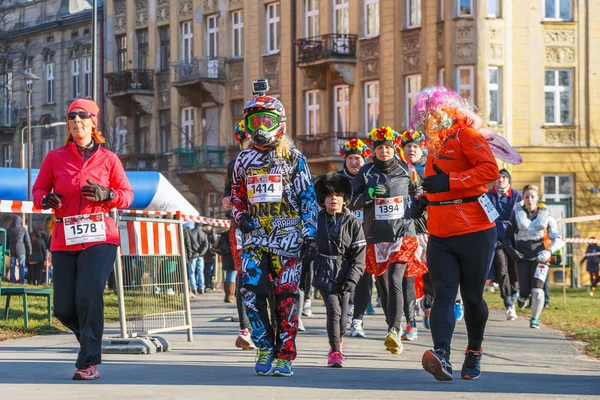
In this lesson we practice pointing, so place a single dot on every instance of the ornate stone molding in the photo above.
(235, 4)
(369, 58)
(411, 51)
(120, 7)
(271, 71)
(464, 52)
(210, 6)
(496, 51)
(465, 34)
(560, 54)
(185, 8)
(164, 99)
(163, 81)
(496, 34)
(563, 36)
(464, 48)
(369, 69)
(235, 79)
(560, 137)
(184, 101)
(120, 18)
(163, 12)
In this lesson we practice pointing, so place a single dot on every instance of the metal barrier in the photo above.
(151, 271)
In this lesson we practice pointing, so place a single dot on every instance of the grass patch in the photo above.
(13, 327)
(580, 322)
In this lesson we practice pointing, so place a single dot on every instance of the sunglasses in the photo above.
(82, 115)
(262, 120)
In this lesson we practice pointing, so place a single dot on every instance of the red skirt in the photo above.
(406, 255)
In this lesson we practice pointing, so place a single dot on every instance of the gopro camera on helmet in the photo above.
(260, 87)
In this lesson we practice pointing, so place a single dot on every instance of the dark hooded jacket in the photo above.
(18, 239)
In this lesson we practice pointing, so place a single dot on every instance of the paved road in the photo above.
(518, 363)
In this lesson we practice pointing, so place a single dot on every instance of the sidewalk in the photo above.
(519, 362)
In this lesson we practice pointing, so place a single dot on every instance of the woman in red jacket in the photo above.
(82, 181)
(460, 223)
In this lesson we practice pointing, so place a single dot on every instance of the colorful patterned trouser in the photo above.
(258, 267)
(236, 252)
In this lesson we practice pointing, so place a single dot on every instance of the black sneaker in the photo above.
(437, 363)
(521, 302)
(471, 368)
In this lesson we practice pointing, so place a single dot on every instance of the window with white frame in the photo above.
(558, 10)
(187, 127)
(121, 52)
(442, 76)
(464, 8)
(412, 87)
(371, 18)
(312, 112)
(311, 18)
(495, 95)
(557, 187)
(50, 83)
(212, 36)
(48, 145)
(121, 130)
(273, 27)
(413, 13)
(87, 77)
(493, 9)
(237, 30)
(187, 41)
(142, 49)
(341, 108)
(164, 122)
(75, 78)
(6, 155)
(558, 88)
(165, 48)
(341, 19)
(464, 81)
(371, 94)
(441, 10)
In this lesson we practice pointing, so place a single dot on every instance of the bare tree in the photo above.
(588, 181)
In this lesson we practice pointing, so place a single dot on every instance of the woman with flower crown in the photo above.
(382, 189)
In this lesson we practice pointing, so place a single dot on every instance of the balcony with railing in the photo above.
(200, 79)
(326, 48)
(324, 146)
(200, 158)
(131, 90)
(146, 162)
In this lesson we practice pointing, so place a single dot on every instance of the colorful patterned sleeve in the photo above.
(239, 196)
(307, 198)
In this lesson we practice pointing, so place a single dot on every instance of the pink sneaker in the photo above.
(335, 359)
(244, 340)
(86, 374)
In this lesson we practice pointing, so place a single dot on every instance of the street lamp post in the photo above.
(29, 79)
(50, 125)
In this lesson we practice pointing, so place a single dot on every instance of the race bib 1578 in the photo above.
(87, 228)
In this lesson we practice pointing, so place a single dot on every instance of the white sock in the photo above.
(537, 302)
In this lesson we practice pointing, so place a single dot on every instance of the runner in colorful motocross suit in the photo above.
(274, 204)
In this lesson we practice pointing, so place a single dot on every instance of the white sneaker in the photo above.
(307, 309)
(356, 329)
(301, 326)
(511, 314)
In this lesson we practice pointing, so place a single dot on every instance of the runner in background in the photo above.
(82, 181)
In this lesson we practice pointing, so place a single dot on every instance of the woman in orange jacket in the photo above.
(460, 223)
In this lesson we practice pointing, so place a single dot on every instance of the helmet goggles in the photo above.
(265, 120)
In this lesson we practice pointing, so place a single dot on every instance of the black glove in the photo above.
(247, 224)
(95, 192)
(348, 286)
(514, 254)
(309, 249)
(306, 270)
(418, 207)
(440, 182)
(52, 200)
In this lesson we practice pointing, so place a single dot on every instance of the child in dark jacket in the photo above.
(341, 262)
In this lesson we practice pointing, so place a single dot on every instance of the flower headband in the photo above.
(383, 134)
(414, 136)
(239, 133)
(355, 146)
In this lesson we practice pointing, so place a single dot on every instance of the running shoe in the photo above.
(427, 318)
(370, 309)
(471, 368)
(307, 309)
(437, 363)
(244, 340)
(592, 290)
(459, 310)
(417, 309)
(356, 329)
(282, 367)
(534, 323)
(392, 341)
(521, 302)
(264, 361)
(511, 314)
(410, 333)
(301, 327)
(351, 310)
(335, 359)
(86, 374)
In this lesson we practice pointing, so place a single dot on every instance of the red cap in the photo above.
(86, 105)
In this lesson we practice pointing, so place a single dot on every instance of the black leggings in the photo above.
(336, 306)
(79, 281)
(410, 299)
(594, 278)
(463, 260)
(526, 272)
(427, 291)
(390, 292)
(362, 295)
(506, 275)
(244, 321)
